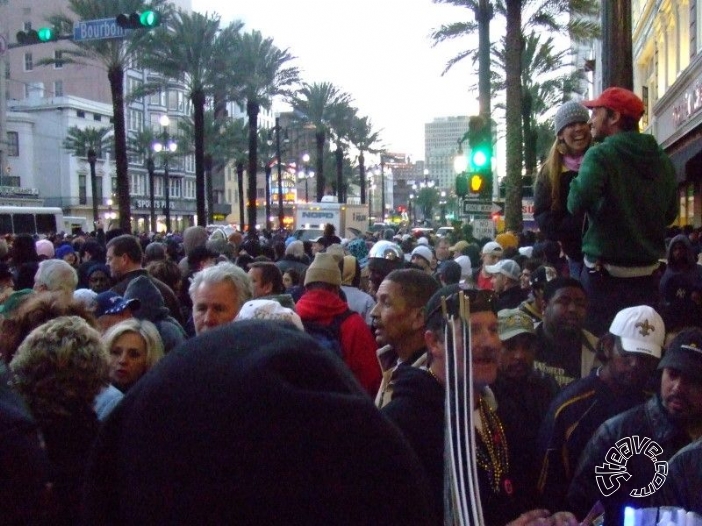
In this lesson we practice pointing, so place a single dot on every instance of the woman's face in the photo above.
(127, 359)
(99, 281)
(287, 280)
(577, 137)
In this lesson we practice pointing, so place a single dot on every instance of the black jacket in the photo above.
(649, 420)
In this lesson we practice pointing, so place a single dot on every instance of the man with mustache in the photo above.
(630, 352)
(670, 420)
(565, 349)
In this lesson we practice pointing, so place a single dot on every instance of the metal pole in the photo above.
(483, 16)
(152, 217)
(268, 197)
(92, 157)
(281, 212)
(307, 187)
(382, 190)
(167, 189)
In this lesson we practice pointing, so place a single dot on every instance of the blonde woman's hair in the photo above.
(144, 328)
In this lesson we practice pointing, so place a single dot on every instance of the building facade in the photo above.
(667, 49)
(441, 137)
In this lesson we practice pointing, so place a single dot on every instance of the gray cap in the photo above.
(569, 113)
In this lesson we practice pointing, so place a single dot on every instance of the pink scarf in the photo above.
(572, 163)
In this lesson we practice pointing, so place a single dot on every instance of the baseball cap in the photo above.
(423, 252)
(507, 267)
(110, 302)
(464, 262)
(493, 248)
(618, 99)
(685, 353)
(512, 322)
(641, 330)
(460, 246)
(268, 310)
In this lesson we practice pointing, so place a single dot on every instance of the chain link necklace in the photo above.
(492, 452)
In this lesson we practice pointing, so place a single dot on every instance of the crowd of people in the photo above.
(262, 379)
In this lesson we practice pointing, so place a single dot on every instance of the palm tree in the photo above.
(261, 70)
(193, 50)
(113, 55)
(88, 142)
(141, 143)
(548, 14)
(364, 139)
(317, 104)
(341, 122)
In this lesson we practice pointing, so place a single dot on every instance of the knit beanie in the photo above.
(45, 248)
(323, 269)
(570, 113)
(258, 434)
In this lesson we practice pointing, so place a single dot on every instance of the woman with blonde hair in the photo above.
(573, 138)
(134, 347)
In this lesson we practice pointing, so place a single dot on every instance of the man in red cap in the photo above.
(626, 187)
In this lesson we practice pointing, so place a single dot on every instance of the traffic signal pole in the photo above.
(483, 14)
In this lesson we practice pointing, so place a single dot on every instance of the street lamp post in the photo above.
(277, 129)
(409, 209)
(152, 204)
(167, 147)
(92, 158)
(382, 187)
(307, 175)
(371, 189)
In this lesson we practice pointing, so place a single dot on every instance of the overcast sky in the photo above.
(378, 51)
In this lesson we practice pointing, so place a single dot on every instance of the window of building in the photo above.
(58, 88)
(176, 186)
(57, 57)
(27, 25)
(82, 195)
(113, 190)
(80, 114)
(133, 85)
(135, 120)
(28, 62)
(12, 144)
(98, 188)
(158, 186)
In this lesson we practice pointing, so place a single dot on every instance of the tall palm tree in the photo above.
(262, 72)
(341, 122)
(141, 143)
(88, 142)
(553, 15)
(317, 104)
(192, 50)
(113, 55)
(365, 139)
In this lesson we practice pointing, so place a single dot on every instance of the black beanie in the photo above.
(252, 423)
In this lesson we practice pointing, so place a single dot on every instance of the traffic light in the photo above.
(146, 19)
(461, 185)
(480, 142)
(477, 183)
(34, 36)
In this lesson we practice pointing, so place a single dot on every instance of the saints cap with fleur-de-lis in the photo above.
(685, 353)
(641, 330)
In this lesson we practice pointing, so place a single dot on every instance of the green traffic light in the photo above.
(46, 34)
(479, 159)
(150, 19)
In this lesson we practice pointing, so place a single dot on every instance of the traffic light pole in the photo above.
(617, 61)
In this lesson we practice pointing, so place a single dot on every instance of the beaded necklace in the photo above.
(492, 453)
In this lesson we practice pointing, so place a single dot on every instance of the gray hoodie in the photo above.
(154, 309)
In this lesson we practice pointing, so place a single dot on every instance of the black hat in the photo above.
(685, 353)
(250, 424)
(478, 301)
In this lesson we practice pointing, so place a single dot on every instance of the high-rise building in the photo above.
(441, 137)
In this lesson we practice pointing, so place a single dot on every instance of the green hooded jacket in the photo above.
(626, 187)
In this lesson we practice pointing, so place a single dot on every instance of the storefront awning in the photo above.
(681, 156)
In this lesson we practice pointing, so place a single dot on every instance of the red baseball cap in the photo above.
(618, 99)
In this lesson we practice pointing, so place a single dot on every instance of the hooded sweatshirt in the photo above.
(154, 309)
(357, 342)
(626, 187)
(686, 275)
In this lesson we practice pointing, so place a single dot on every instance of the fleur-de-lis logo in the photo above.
(646, 328)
